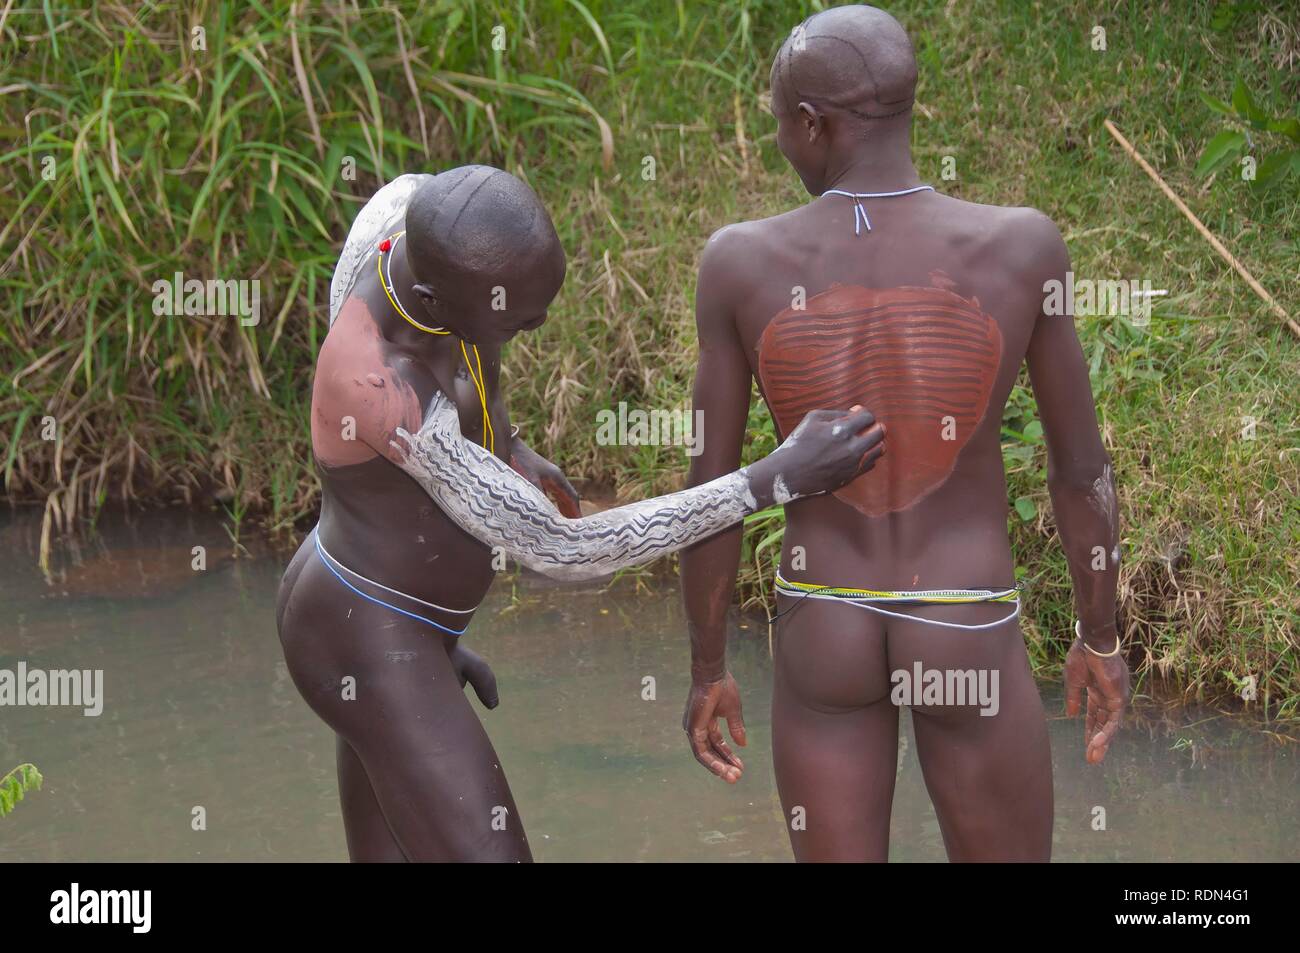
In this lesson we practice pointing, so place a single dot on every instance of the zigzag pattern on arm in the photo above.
(489, 500)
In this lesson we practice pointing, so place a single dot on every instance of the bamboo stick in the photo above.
(1205, 232)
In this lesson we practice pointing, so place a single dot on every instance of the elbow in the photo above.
(1080, 475)
(551, 567)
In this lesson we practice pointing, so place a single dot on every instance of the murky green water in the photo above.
(200, 712)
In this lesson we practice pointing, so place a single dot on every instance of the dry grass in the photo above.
(227, 163)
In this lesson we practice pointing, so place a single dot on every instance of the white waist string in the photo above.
(857, 197)
(912, 618)
(379, 585)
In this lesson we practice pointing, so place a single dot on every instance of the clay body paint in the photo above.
(353, 381)
(923, 360)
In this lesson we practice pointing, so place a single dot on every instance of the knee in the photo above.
(439, 809)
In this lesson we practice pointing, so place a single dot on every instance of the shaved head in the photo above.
(855, 58)
(483, 253)
(476, 221)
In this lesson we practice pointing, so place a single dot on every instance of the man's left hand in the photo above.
(546, 476)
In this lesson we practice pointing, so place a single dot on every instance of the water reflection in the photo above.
(200, 713)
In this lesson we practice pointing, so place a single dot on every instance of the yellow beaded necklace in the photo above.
(385, 279)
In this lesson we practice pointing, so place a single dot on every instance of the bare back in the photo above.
(925, 320)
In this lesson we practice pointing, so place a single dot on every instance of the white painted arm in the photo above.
(489, 500)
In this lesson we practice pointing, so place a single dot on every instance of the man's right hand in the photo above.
(828, 449)
(707, 702)
(1105, 680)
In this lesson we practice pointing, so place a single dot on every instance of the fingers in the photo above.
(705, 754)
(1100, 743)
(1105, 710)
(721, 748)
(1112, 699)
(561, 491)
(402, 450)
(1116, 679)
(1073, 696)
(1093, 719)
(1075, 679)
(873, 437)
(870, 437)
(870, 446)
(736, 727)
(855, 421)
(868, 459)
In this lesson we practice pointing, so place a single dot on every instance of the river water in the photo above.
(199, 712)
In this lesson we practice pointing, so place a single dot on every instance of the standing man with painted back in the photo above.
(923, 307)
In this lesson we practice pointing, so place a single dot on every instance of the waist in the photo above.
(947, 596)
(896, 552)
(405, 542)
(378, 592)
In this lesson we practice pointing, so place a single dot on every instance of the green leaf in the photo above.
(1220, 151)
(299, 200)
(600, 34)
(1221, 19)
(1275, 168)
(768, 513)
(23, 414)
(1026, 508)
(115, 198)
(1244, 105)
(1218, 105)
(1018, 453)
(13, 785)
(1289, 127)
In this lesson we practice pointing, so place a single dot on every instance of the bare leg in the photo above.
(384, 683)
(369, 837)
(834, 733)
(989, 777)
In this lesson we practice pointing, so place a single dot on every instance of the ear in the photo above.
(812, 120)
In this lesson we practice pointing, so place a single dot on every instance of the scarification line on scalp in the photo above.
(469, 198)
(866, 67)
(451, 189)
(875, 96)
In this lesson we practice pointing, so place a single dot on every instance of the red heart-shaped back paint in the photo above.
(914, 357)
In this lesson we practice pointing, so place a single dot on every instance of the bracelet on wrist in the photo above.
(1078, 630)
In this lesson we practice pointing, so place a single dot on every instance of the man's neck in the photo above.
(880, 163)
(875, 172)
(400, 331)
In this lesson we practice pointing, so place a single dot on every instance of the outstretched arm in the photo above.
(495, 504)
(1082, 487)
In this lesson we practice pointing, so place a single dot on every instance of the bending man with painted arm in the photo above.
(423, 478)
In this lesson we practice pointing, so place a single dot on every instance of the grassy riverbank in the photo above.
(232, 162)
